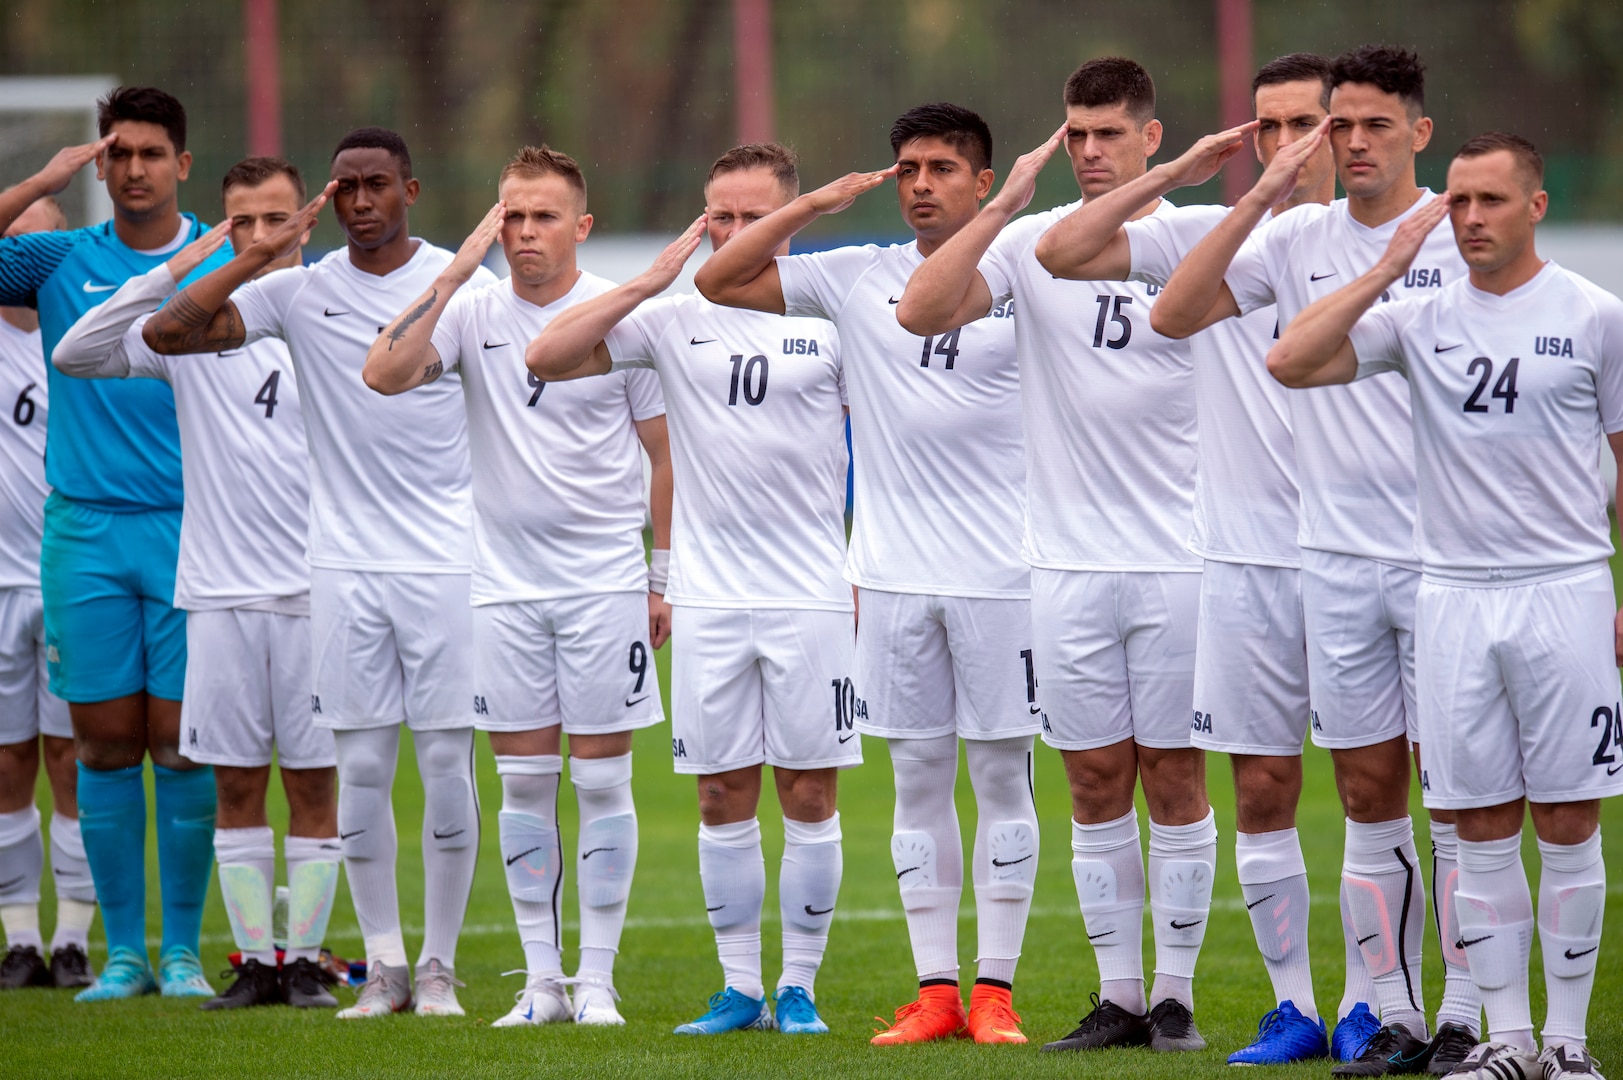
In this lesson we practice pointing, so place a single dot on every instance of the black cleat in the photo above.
(257, 984)
(23, 966)
(1389, 1052)
(1448, 1048)
(70, 968)
(304, 985)
(1108, 1024)
(1172, 1028)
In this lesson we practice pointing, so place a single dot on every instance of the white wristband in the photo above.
(659, 570)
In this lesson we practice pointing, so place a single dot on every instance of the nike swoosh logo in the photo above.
(595, 850)
(446, 836)
(329, 847)
(498, 345)
(1569, 954)
(718, 907)
(521, 854)
(1035, 709)
(1011, 862)
(333, 314)
(88, 287)
(847, 738)
(909, 870)
(1264, 900)
(1176, 925)
(347, 835)
(894, 300)
(1100, 934)
(1466, 943)
(230, 352)
(696, 341)
(1611, 770)
(636, 701)
(1368, 937)
(1321, 277)
(1445, 348)
(825, 911)
(4, 885)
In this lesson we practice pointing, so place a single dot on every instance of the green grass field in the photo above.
(667, 965)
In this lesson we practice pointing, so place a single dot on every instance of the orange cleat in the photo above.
(937, 1014)
(992, 1018)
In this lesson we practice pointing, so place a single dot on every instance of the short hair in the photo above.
(253, 171)
(1390, 68)
(376, 138)
(1113, 80)
(780, 160)
(958, 127)
(1295, 67)
(1529, 162)
(543, 160)
(146, 104)
(59, 217)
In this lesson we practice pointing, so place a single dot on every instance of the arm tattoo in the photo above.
(185, 323)
(433, 371)
(188, 312)
(410, 318)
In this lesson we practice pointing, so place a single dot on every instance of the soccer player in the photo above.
(32, 719)
(943, 647)
(1514, 373)
(389, 526)
(115, 643)
(564, 618)
(245, 586)
(1355, 465)
(1109, 410)
(763, 629)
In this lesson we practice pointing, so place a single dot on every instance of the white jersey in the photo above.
(1511, 395)
(1246, 499)
(1109, 409)
(1354, 447)
(242, 452)
(22, 456)
(935, 430)
(757, 448)
(558, 497)
(389, 475)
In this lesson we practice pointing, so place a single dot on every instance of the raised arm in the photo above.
(53, 179)
(1314, 350)
(947, 289)
(404, 357)
(572, 345)
(201, 317)
(1616, 443)
(1088, 244)
(743, 273)
(656, 442)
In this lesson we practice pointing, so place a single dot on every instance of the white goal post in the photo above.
(70, 101)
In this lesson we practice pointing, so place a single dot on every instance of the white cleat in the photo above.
(1564, 1062)
(1498, 1061)
(542, 1001)
(436, 990)
(387, 990)
(594, 1004)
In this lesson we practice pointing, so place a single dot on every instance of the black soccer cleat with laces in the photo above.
(1389, 1052)
(1108, 1024)
(23, 966)
(70, 968)
(304, 985)
(1172, 1028)
(257, 984)
(1448, 1048)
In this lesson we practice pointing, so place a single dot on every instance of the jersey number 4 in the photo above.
(267, 393)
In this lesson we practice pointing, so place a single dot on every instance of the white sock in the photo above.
(75, 890)
(247, 862)
(927, 851)
(1005, 859)
(22, 863)
(733, 873)
(1273, 881)
(1183, 863)
(1461, 1003)
(1495, 909)
(1386, 898)
(1107, 865)
(607, 859)
(1358, 988)
(366, 832)
(532, 855)
(1571, 905)
(312, 881)
(450, 838)
(808, 885)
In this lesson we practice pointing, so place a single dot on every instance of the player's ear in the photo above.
(583, 228)
(1539, 206)
(983, 184)
(1152, 138)
(412, 188)
(1422, 133)
(184, 162)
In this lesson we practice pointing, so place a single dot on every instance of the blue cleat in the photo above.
(1352, 1032)
(180, 974)
(796, 1014)
(731, 1011)
(1284, 1035)
(125, 975)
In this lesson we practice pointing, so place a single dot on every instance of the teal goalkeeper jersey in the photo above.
(111, 443)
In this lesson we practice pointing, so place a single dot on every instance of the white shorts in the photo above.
(1519, 692)
(1360, 649)
(583, 661)
(247, 688)
(27, 706)
(1250, 661)
(762, 686)
(1115, 656)
(391, 648)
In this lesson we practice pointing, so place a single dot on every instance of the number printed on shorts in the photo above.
(847, 707)
(639, 664)
(1031, 685)
(1610, 721)
(1504, 388)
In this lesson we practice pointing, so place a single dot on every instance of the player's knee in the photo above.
(310, 792)
(104, 754)
(807, 795)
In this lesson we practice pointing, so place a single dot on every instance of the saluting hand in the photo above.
(1410, 237)
(471, 255)
(1210, 153)
(663, 271)
(62, 167)
(1279, 179)
(834, 197)
(193, 255)
(289, 235)
(1021, 183)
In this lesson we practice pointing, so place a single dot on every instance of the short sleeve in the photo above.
(1158, 243)
(263, 303)
(1001, 263)
(1377, 337)
(143, 362)
(27, 261)
(633, 342)
(1251, 275)
(644, 393)
(818, 284)
(450, 331)
(1609, 378)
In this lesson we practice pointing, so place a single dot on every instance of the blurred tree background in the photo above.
(641, 91)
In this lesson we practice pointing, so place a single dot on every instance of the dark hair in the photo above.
(1113, 80)
(376, 138)
(954, 125)
(251, 172)
(1529, 162)
(782, 161)
(1295, 67)
(543, 160)
(1390, 68)
(146, 104)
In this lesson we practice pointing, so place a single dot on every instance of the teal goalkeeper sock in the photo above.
(113, 824)
(185, 850)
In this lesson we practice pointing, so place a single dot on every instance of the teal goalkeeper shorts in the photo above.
(111, 627)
